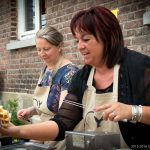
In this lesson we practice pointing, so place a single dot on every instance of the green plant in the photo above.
(12, 105)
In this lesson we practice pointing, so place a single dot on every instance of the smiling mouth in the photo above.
(44, 58)
(85, 55)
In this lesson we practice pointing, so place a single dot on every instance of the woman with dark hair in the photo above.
(113, 86)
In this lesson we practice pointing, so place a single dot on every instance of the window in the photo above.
(43, 11)
(31, 17)
(28, 18)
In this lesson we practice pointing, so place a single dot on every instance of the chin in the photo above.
(87, 62)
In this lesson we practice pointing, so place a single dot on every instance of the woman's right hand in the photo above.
(24, 114)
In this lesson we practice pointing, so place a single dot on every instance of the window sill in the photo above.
(20, 44)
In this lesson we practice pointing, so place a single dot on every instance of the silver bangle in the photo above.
(137, 112)
(140, 113)
(134, 114)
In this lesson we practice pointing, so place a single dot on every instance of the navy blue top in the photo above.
(60, 82)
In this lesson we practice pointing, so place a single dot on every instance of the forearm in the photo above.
(146, 115)
(33, 111)
(42, 131)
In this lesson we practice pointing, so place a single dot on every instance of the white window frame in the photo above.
(22, 34)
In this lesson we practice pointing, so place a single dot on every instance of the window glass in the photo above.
(29, 15)
(43, 13)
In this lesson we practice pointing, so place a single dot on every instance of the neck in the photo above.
(103, 77)
(103, 69)
(52, 66)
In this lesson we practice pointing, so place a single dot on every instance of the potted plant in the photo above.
(12, 106)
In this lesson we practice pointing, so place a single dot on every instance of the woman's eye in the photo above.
(46, 49)
(86, 40)
(43, 49)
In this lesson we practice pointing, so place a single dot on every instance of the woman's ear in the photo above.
(60, 46)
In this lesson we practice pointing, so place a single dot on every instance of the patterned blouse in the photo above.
(60, 82)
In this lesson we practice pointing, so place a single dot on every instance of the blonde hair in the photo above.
(50, 34)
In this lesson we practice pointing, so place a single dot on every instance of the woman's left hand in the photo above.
(8, 130)
(115, 111)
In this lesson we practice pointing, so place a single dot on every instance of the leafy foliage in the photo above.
(12, 105)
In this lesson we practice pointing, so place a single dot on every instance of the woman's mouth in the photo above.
(85, 55)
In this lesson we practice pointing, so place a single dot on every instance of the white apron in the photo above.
(40, 103)
(93, 121)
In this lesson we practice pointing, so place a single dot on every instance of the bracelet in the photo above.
(134, 114)
(137, 113)
(140, 113)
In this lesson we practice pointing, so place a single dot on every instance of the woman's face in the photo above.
(46, 51)
(90, 48)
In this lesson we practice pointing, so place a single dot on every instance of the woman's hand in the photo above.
(7, 131)
(24, 114)
(115, 111)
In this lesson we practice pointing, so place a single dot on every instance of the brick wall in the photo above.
(19, 69)
(5, 36)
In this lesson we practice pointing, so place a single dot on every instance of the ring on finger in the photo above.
(113, 114)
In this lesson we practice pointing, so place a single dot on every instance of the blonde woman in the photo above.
(54, 79)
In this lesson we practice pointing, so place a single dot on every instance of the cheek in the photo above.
(50, 53)
(100, 48)
(47, 53)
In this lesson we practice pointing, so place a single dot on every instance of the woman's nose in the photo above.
(42, 53)
(81, 45)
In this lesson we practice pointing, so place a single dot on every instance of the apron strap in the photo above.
(41, 75)
(90, 79)
(115, 80)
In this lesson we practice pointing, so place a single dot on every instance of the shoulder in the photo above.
(68, 64)
(136, 71)
(135, 61)
(66, 73)
(83, 73)
(69, 69)
(135, 64)
(136, 58)
(72, 66)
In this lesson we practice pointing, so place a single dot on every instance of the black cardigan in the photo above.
(134, 88)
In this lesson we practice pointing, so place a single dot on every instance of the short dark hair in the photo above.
(102, 24)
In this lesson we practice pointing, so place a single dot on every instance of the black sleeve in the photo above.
(68, 116)
(147, 81)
